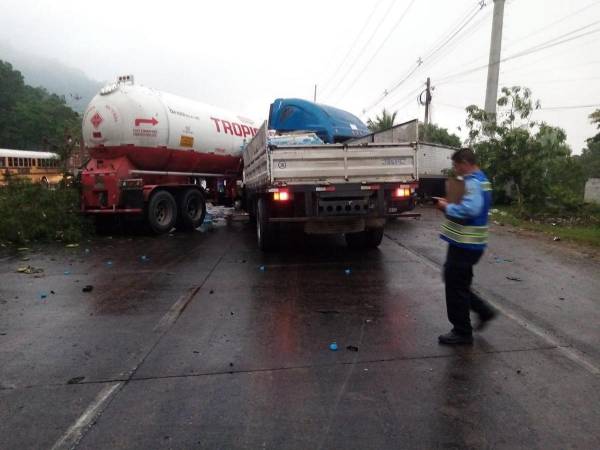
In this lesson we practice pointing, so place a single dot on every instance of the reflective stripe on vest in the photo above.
(486, 185)
(465, 234)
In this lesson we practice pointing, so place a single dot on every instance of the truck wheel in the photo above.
(162, 212)
(356, 240)
(373, 237)
(264, 231)
(192, 210)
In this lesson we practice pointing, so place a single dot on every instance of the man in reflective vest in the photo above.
(466, 231)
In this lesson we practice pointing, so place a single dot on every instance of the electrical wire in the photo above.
(471, 14)
(362, 50)
(364, 27)
(368, 64)
(543, 46)
(556, 22)
(597, 105)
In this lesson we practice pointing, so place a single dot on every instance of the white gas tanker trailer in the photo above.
(158, 157)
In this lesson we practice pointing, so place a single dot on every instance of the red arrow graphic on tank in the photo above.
(152, 121)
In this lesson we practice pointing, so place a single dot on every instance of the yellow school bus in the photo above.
(37, 167)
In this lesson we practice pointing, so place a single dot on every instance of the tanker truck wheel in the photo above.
(162, 212)
(192, 210)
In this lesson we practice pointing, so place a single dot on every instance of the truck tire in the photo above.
(192, 210)
(370, 238)
(356, 241)
(264, 230)
(373, 237)
(162, 212)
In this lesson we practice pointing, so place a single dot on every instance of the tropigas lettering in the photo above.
(233, 128)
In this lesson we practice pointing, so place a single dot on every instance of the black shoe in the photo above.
(484, 321)
(453, 338)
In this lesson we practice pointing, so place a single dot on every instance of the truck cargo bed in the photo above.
(266, 165)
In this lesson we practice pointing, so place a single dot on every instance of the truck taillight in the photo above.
(402, 192)
(281, 196)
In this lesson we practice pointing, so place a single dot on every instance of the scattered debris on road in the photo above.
(29, 270)
(514, 278)
(333, 346)
(88, 288)
(352, 348)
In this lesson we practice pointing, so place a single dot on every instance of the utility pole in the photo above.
(315, 97)
(427, 101)
(491, 93)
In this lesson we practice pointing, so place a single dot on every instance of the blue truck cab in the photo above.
(331, 124)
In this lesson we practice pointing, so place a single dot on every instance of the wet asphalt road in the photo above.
(207, 343)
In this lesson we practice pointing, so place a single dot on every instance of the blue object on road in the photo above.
(333, 346)
(67, 272)
(348, 271)
(262, 268)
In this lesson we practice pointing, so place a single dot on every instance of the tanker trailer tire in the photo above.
(264, 230)
(192, 210)
(162, 212)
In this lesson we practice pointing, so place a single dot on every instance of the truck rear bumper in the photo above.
(333, 224)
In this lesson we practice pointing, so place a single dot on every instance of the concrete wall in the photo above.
(592, 190)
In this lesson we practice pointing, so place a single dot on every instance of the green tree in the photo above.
(34, 119)
(590, 156)
(383, 122)
(435, 134)
(530, 161)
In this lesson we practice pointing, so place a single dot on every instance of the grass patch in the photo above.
(582, 227)
(32, 213)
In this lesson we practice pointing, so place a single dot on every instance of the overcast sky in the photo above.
(241, 55)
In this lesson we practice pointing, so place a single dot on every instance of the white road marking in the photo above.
(73, 435)
(568, 351)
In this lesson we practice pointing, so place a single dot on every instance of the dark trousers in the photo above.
(458, 274)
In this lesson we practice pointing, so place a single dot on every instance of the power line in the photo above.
(556, 22)
(540, 44)
(366, 66)
(364, 47)
(570, 107)
(364, 27)
(543, 46)
(439, 46)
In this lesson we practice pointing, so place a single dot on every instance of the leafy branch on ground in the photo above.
(31, 212)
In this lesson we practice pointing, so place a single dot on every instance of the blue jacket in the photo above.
(466, 222)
